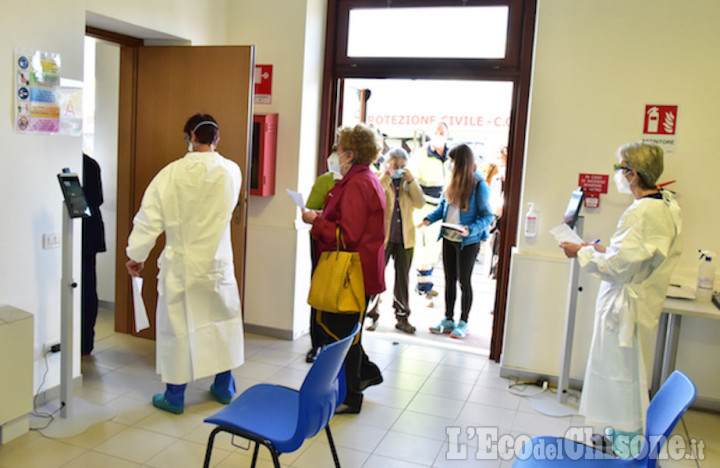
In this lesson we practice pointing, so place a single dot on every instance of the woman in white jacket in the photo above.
(635, 270)
(199, 326)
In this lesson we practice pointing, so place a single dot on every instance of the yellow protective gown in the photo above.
(199, 325)
(635, 272)
(429, 172)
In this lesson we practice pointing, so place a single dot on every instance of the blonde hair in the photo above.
(362, 141)
(646, 159)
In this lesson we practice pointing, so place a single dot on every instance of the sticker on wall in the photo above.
(660, 123)
(37, 85)
(263, 84)
(71, 104)
(594, 185)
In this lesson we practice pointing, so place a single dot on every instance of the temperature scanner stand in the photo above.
(76, 415)
(559, 405)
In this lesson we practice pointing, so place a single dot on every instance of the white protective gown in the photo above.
(635, 270)
(199, 325)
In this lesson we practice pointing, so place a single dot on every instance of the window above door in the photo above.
(419, 37)
(471, 32)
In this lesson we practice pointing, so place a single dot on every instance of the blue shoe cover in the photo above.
(160, 402)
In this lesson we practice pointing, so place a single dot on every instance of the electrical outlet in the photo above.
(51, 240)
(51, 348)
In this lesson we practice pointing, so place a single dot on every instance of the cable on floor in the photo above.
(35, 412)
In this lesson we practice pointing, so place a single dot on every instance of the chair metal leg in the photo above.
(275, 457)
(332, 446)
(208, 451)
(255, 454)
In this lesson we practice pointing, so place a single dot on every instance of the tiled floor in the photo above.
(428, 390)
(423, 315)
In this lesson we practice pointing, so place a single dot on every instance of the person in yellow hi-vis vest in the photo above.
(432, 169)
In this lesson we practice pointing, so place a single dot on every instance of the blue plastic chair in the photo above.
(665, 410)
(281, 418)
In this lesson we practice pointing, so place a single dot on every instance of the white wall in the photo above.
(277, 261)
(107, 69)
(30, 277)
(596, 65)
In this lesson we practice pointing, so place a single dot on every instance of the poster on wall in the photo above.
(659, 124)
(37, 91)
(594, 185)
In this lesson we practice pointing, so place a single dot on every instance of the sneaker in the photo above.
(460, 331)
(446, 326)
(403, 325)
(160, 402)
(429, 298)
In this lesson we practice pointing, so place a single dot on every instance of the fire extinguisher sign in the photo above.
(660, 120)
(660, 123)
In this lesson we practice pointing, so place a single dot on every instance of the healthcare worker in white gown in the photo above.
(199, 325)
(635, 270)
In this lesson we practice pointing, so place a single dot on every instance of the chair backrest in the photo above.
(321, 392)
(665, 410)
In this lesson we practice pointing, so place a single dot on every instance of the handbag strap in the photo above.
(339, 239)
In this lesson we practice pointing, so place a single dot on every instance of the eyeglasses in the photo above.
(618, 167)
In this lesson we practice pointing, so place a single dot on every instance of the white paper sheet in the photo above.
(141, 317)
(297, 198)
(453, 226)
(563, 233)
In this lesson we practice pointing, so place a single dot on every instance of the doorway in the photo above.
(100, 127)
(405, 112)
(471, 41)
(156, 94)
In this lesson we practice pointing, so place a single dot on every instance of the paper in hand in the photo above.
(455, 227)
(141, 318)
(563, 233)
(297, 198)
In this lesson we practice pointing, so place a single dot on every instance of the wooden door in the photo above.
(161, 87)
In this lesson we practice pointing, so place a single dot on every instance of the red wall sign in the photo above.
(660, 120)
(263, 84)
(594, 185)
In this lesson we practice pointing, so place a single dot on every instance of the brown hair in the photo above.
(205, 128)
(462, 181)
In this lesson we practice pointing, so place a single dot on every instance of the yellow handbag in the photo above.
(337, 284)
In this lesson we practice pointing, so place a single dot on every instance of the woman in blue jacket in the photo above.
(464, 206)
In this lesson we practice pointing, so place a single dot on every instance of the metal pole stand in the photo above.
(559, 405)
(76, 414)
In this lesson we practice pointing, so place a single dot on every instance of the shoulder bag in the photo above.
(337, 284)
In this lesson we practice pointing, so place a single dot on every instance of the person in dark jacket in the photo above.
(93, 242)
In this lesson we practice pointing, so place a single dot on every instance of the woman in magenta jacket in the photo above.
(357, 206)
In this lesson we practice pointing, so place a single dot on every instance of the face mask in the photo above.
(621, 182)
(333, 163)
(438, 141)
(398, 174)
